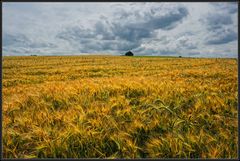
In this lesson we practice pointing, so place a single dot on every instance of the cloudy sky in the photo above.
(186, 29)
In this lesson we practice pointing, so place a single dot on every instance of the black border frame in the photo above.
(63, 159)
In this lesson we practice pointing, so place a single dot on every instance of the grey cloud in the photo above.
(187, 33)
(99, 45)
(144, 28)
(139, 49)
(216, 21)
(163, 40)
(168, 21)
(230, 7)
(152, 51)
(104, 31)
(125, 32)
(15, 40)
(42, 45)
(144, 51)
(191, 46)
(154, 17)
(168, 52)
(19, 50)
(19, 43)
(222, 36)
(220, 27)
(75, 33)
(93, 43)
(131, 32)
(194, 53)
(186, 42)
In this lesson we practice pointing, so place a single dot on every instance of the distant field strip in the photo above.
(119, 107)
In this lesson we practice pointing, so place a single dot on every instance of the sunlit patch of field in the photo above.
(119, 107)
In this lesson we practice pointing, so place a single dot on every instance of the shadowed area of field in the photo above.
(119, 107)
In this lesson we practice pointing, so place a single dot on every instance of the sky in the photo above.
(157, 29)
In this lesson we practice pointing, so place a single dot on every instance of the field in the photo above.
(119, 107)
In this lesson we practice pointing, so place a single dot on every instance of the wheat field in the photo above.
(119, 107)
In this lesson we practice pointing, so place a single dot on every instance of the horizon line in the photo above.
(177, 56)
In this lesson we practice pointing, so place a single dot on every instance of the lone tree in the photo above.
(129, 53)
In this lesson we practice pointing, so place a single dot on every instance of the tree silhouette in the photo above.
(129, 53)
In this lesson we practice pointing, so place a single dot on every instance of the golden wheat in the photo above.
(119, 107)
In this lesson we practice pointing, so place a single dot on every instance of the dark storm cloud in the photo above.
(145, 24)
(121, 34)
(168, 21)
(222, 36)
